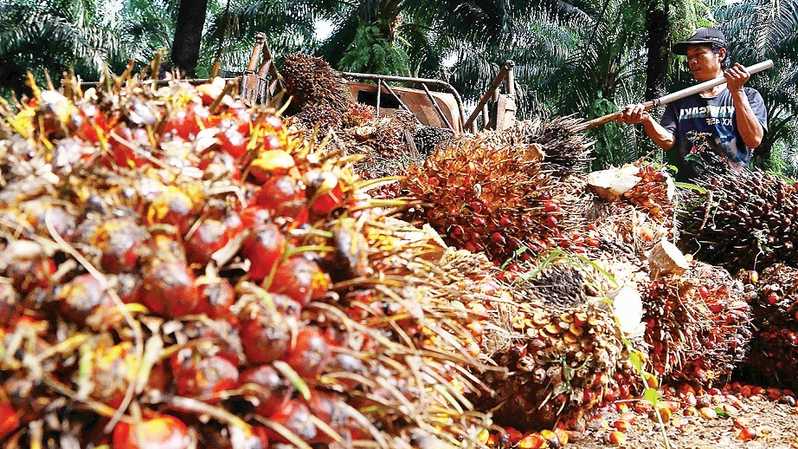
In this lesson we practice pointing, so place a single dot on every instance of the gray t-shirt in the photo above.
(696, 121)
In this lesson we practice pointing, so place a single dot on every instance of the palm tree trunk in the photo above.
(658, 30)
(188, 35)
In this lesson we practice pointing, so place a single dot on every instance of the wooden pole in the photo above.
(670, 98)
(487, 96)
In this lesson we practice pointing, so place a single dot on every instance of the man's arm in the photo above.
(746, 120)
(635, 114)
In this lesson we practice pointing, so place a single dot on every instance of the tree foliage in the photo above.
(571, 57)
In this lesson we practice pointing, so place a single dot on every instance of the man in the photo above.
(730, 119)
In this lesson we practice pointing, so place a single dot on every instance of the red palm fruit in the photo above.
(254, 217)
(125, 145)
(270, 163)
(299, 278)
(29, 274)
(182, 123)
(264, 249)
(166, 249)
(121, 242)
(113, 368)
(216, 297)
(295, 416)
(208, 238)
(128, 287)
(243, 119)
(324, 192)
(272, 391)
(310, 354)
(274, 122)
(233, 142)
(233, 224)
(328, 201)
(160, 377)
(161, 432)
(172, 206)
(10, 308)
(272, 142)
(169, 289)
(78, 298)
(197, 375)
(218, 165)
(255, 437)
(9, 421)
(513, 435)
(328, 408)
(286, 305)
(282, 196)
(86, 121)
(265, 334)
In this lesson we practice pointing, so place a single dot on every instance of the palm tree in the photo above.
(56, 34)
(289, 24)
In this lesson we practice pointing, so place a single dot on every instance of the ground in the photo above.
(768, 423)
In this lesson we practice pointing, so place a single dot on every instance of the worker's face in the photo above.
(704, 63)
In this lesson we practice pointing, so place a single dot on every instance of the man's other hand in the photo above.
(634, 114)
(736, 77)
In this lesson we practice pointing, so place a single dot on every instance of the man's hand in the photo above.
(634, 114)
(736, 77)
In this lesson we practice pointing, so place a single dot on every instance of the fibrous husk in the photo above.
(139, 243)
(561, 342)
(612, 183)
(665, 258)
(697, 324)
(739, 218)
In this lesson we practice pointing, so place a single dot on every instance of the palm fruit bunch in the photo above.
(427, 138)
(777, 303)
(698, 324)
(485, 198)
(740, 218)
(179, 271)
(654, 193)
(561, 340)
(358, 114)
(772, 359)
(634, 204)
(566, 152)
(385, 145)
(319, 96)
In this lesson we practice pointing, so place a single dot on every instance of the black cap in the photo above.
(701, 36)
